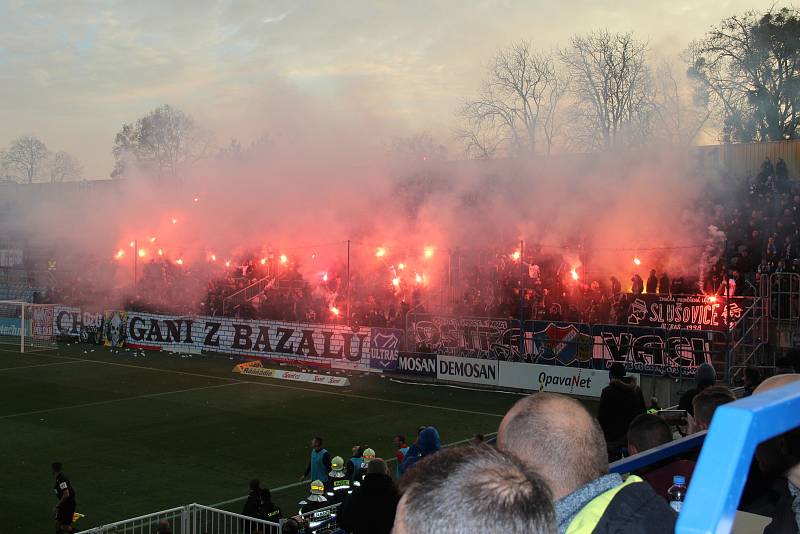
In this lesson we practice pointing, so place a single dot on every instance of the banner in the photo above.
(469, 370)
(696, 312)
(384, 347)
(42, 322)
(649, 350)
(466, 337)
(336, 346)
(70, 322)
(294, 376)
(10, 327)
(415, 363)
(115, 328)
(554, 378)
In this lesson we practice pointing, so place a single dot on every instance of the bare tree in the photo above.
(420, 146)
(517, 101)
(25, 157)
(63, 167)
(611, 84)
(165, 141)
(749, 69)
(681, 113)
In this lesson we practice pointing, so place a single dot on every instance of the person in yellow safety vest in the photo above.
(361, 472)
(338, 486)
(572, 458)
(312, 506)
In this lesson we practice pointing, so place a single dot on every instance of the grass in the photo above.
(138, 434)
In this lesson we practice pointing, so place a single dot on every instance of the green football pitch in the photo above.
(141, 432)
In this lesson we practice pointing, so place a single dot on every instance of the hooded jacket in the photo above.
(371, 508)
(427, 444)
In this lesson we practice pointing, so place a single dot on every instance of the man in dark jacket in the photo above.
(705, 377)
(571, 457)
(371, 508)
(652, 282)
(620, 402)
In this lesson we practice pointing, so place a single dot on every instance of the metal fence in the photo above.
(191, 519)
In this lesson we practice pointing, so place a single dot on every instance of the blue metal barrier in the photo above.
(721, 471)
(657, 454)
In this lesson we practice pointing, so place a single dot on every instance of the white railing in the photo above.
(191, 519)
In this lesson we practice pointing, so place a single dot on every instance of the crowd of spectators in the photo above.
(535, 481)
(759, 219)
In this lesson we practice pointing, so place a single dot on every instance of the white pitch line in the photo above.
(295, 388)
(295, 484)
(112, 401)
(39, 365)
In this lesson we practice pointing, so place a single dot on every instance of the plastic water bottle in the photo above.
(677, 492)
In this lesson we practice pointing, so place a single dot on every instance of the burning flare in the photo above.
(335, 311)
(142, 252)
(380, 252)
(574, 274)
(516, 255)
(284, 259)
(637, 261)
(396, 282)
(428, 252)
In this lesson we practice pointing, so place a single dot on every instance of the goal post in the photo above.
(26, 327)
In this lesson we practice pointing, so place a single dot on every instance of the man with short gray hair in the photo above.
(555, 436)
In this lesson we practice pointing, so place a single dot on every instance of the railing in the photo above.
(191, 519)
(749, 336)
(245, 294)
(721, 471)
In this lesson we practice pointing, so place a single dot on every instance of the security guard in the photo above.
(338, 486)
(313, 506)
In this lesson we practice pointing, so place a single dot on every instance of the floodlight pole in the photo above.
(348, 282)
(521, 298)
(135, 261)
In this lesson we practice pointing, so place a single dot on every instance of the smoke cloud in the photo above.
(324, 176)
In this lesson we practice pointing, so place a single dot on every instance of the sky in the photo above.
(72, 72)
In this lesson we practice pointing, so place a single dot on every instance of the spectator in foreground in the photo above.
(571, 456)
(474, 488)
(427, 444)
(649, 431)
(705, 404)
(780, 457)
(320, 463)
(620, 401)
(752, 378)
(371, 508)
(705, 377)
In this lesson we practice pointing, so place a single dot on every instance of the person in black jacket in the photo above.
(704, 377)
(571, 457)
(620, 402)
(371, 507)
(252, 506)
